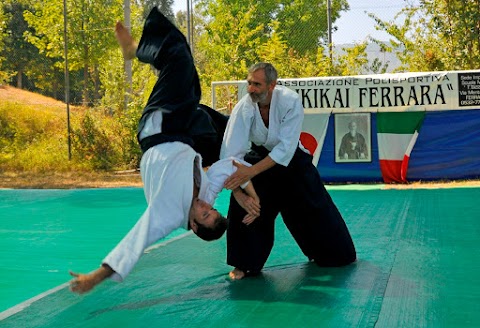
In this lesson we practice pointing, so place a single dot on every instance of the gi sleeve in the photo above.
(218, 173)
(288, 133)
(236, 137)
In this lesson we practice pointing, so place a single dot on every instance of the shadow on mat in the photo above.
(304, 283)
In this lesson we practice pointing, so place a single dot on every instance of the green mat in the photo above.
(417, 267)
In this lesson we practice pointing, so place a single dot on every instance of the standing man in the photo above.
(270, 118)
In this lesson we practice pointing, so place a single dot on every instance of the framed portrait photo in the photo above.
(353, 138)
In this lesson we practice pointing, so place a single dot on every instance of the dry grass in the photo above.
(57, 180)
(70, 180)
(24, 97)
(435, 184)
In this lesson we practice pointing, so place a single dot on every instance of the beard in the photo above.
(258, 97)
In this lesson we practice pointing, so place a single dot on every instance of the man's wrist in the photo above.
(238, 192)
(252, 171)
(104, 272)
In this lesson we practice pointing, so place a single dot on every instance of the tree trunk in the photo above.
(86, 99)
(20, 79)
(96, 82)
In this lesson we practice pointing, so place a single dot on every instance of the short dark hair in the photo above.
(214, 232)
(271, 74)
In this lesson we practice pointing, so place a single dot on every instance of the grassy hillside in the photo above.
(34, 136)
(23, 97)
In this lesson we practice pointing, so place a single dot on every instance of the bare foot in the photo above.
(236, 274)
(125, 40)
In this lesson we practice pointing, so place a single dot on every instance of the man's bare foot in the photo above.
(126, 42)
(236, 274)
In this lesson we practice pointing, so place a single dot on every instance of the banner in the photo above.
(425, 91)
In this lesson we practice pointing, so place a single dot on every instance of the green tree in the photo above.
(90, 33)
(289, 62)
(290, 34)
(18, 54)
(165, 7)
(3, 26)
(353, 61)
(234, 29)
(230, 39)
(436, 35)
(304, 23)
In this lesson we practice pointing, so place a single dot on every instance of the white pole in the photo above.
(329, 22)
(127, 63)
(67, 77)
(189, 36)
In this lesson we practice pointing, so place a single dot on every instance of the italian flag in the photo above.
(397, 134)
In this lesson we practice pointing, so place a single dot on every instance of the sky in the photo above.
(353, 25)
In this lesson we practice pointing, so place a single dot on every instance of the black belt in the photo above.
(156, 139)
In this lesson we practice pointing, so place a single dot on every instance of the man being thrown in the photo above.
(178, 191)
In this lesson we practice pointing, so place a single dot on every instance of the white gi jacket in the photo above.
(282, 136)
(167, 173)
